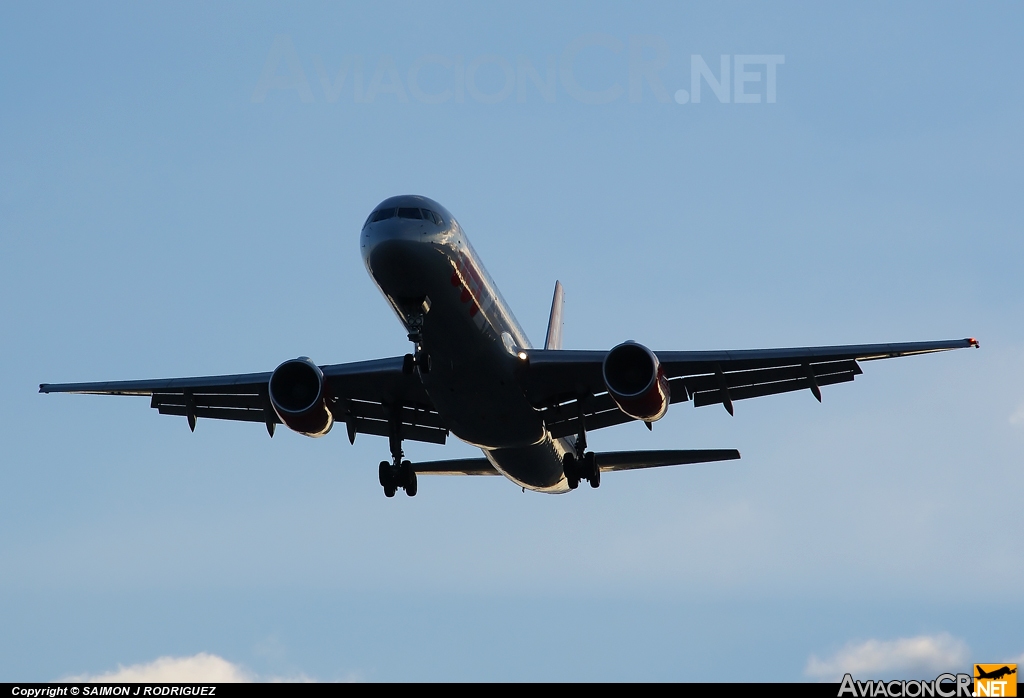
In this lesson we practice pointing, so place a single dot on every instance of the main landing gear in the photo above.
(583, 467)
(397, 475)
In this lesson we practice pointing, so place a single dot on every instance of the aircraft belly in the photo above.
(471, 382)
(537, 467)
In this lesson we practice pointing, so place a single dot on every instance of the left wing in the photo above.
(568, 385)
(367, 395)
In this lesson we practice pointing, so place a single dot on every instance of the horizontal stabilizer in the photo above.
(608, 462)
(459, 466)
(634, 460)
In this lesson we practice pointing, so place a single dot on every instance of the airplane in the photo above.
(996, 674)
(473, 373)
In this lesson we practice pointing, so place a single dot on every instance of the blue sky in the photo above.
(162, 215)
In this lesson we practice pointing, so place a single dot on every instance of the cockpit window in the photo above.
(404, 212)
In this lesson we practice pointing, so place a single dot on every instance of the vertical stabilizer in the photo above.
(554, 338)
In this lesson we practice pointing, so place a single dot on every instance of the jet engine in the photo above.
(636, 381)
(298, 395)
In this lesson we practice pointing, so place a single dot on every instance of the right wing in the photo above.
(569, 384)
(364, 395)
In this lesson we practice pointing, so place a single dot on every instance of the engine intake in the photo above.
(298, 396)
(636, 381)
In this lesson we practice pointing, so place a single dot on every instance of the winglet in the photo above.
(974, 342)
(554, 338)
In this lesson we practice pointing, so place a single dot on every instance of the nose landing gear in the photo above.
(420, 359)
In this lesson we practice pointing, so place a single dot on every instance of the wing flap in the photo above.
(411, 432)
(598, 420)
(600, 411)
(408, 415)
(736, 379)
(716, 396)
(236, 415)
(251, 401)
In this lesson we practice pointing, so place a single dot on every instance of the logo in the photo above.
(943, 686)
(995, 680)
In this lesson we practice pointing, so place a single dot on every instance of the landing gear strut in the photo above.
(398, 473)
(411, 361)
(420, 359)
(582, 466)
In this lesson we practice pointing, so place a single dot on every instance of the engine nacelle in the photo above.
(298, 395)
(636, 381)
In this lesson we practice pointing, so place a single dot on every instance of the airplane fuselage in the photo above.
(450, 307)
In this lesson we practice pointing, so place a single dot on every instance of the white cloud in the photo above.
(201, 667)
(1017, 418)
(924, 656)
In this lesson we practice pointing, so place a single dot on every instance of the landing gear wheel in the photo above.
(572, 475)
(410, 362)
(387, 480)
(592, 470)
(408, 477)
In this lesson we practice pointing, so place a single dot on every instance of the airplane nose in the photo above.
(397, 254)
(375, 233)
(398, 228)
(403, 236)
